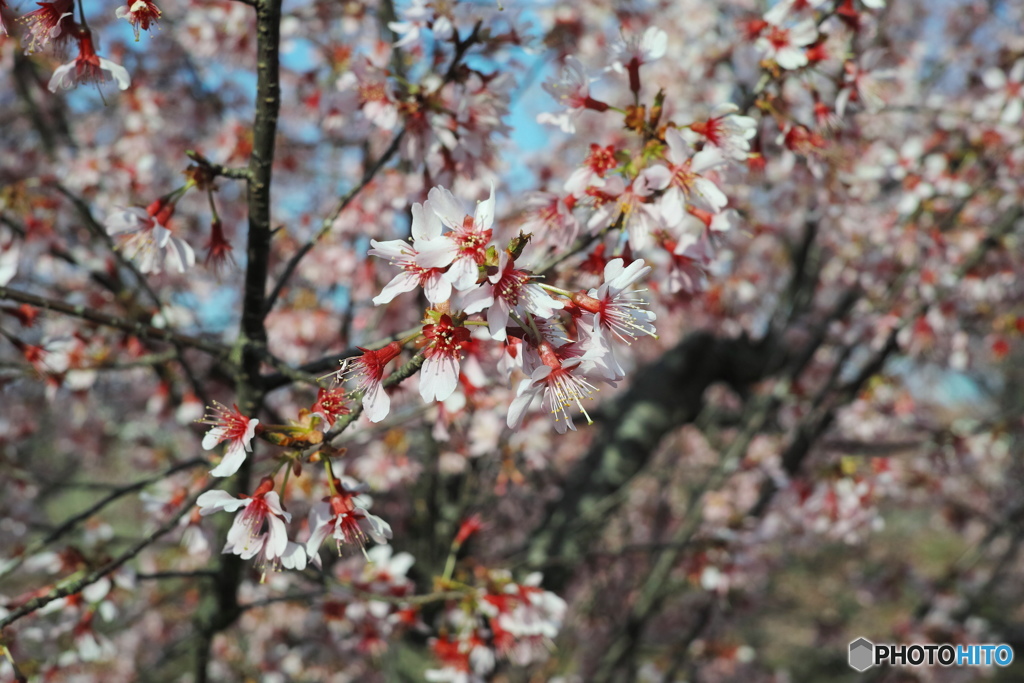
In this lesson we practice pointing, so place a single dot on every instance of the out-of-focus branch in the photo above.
(462, 46)
(161, 576)
(830, 400)
(117, 322)
(656, 585)
(95, 575)
(328, 222)
(663, 396)
(111, 497)
(304, 373)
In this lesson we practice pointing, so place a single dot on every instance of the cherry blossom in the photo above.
(330, 405)
(218, 248)
(344, 516)
(508, 290)
(561, 384)
(863, 83)
(455, 660)
(527, 625)
(1008, 99)
(144, 240)
(463, 249)
(799, 365)
(633, 205)
(141, 14)
(599, 162)
(683, 179)
(784, 45)
(368, 371)
(9, 255)
(615, 314)
(418, 16)
(232, 426)
(367, 84)
(629, 54)
(246, 537)
(88, 67)
(52, 22)
(728, 131)
(426, 231)
(551, 215)
(571, 89)
(690, 255)
(439, 375)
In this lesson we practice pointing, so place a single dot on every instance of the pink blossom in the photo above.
(439, 375)
(368, 85)
(612, 312)
(599, 162)
(628, 55)
(785, 45)
(245, 537)
(691, 256)
(550, 217)
(436, 285)
(141, 14)
(531, 620)
(862, 83)
(683, 181)
(9, 254)
(144, 240)
(218, 248)
(507, 290)
(639, 215)
(368, 371)
(570, 89)
(561, 384)
(418, 16)
(235, 428)
(53, 21)
(782, 10)
(343, 515)
(88, 67)
(1008, 98)
(464, 248)
(728, 131)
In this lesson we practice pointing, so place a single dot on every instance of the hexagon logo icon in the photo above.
(862, 654)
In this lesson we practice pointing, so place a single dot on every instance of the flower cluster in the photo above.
(501, 620)
(669, 196)
(259, 529)
(453, 259)
(247, 537)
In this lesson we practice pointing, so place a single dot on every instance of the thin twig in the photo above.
(117, 322)
(97, 574)
(73, 521)
(328, 222)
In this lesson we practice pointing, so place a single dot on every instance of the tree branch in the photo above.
(663, 396)
(75, 520)
(328, 222)
(117, 322)
(97, 574)
(219, 606)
